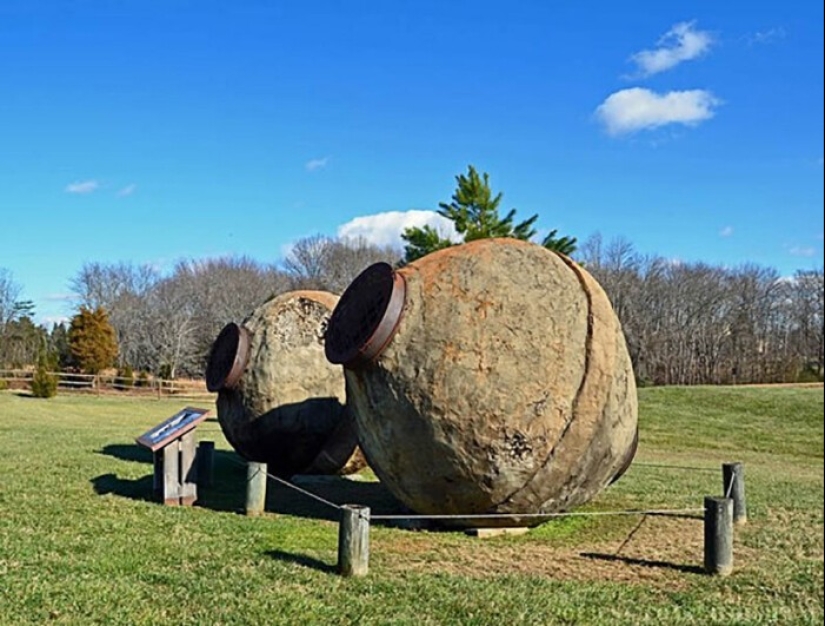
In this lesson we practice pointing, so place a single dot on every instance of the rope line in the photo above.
(630, 535)
(305, 492)
(677, 467)
(541, 515)
(643, 512)
(288, 484)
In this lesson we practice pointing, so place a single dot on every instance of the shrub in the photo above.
(125, 378)
(809, 375)
(165, 371)
(44, 384)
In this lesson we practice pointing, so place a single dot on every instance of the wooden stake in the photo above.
(733, 482)
(354, 540)
(255, 488)
(718, 535)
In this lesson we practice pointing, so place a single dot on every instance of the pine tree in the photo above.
(92, 340)
(44, 383)
(59, 345)
(564, 245)
(474, 212)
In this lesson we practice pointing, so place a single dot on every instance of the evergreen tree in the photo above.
(44, 383)
(20, 342)
(422, 241)
(92, 340)
(474, 212)
(59, 345)
(564, 245)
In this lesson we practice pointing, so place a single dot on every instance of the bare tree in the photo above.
(308, 261)
(328, 264)
(120, 289)
(807, 317)
(9, 297)
(349, 257)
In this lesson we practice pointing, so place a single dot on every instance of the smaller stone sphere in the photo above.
(280, 402)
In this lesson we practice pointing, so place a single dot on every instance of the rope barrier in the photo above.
(305, 492)
(291, 485)
(540, 515)
(676, 467)
(644, 512)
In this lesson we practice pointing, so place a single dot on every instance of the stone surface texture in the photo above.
(289, 408)
(507, 388)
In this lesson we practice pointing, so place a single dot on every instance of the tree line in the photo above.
(685, 323)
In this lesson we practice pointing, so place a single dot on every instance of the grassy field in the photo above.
(83, 542)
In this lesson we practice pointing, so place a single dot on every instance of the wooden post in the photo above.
(206, 463)
(718, 535)
(188, 470)
(733, 482)
(354, 540)
(171, 473)
(255, 488)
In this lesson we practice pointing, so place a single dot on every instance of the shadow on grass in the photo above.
(227, 492)
(337, 490)
(303, 560)
(140, 489)
(126, 452)
(690, 569)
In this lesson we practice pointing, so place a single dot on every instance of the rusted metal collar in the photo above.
(228, 358)
(366, 317)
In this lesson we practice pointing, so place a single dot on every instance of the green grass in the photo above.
(83, 542)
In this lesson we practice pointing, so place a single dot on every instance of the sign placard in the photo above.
(173, 428)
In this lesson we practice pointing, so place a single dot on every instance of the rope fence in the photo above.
(720, 514)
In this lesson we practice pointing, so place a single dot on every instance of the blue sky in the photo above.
(149, 132)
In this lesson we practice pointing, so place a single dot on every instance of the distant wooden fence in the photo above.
(105, 383)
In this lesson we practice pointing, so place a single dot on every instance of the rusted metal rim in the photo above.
(228, 358)
(629, 456)
(366, 317)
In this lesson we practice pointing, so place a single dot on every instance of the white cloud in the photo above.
(62, 297)
(681, 43)
(128, 190)
(316, 164)
(631, 110)
(50, 321)
(766, 36)
(802, 251)
(384, 229)
(86, 186)
(727, 231)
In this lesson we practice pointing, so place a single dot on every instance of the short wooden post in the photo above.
(255, 488)
(188, 470)
(718, 535)
(206, 463)
(733, 481)
(354, 540)
(171, 473)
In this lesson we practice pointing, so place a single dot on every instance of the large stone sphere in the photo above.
(279, 400)
(490, 377)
